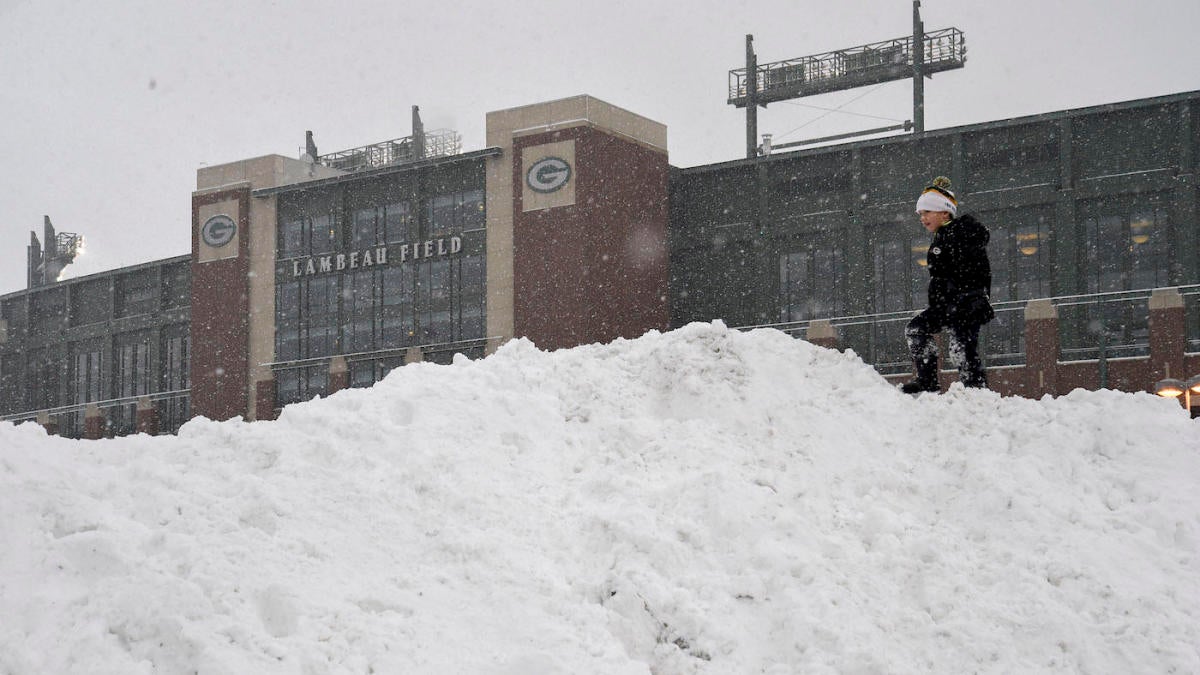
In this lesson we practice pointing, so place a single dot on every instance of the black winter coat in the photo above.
(960, 275)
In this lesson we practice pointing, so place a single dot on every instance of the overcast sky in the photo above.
(107, 109)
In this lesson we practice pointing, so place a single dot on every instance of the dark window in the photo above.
(42, 377)
(88, 380)
(90, 302)
(308, 228)
(456, 212)
(397, 328)
(306, 318)
(1124, 248)
(132, 366)
(300, 384)
(899, 283)
(176, 285)
(48, 309)
(811, 283)
(136, 293)
(11, 392)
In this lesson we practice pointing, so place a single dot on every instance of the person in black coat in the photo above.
(960, 285)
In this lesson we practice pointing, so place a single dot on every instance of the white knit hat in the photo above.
(938, 197)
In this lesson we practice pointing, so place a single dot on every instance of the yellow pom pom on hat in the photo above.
(938, 197)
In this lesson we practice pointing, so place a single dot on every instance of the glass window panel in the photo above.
(365, 231)
(398, 218)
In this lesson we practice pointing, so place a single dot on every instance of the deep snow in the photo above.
(700, 501)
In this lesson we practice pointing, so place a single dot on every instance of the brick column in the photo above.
(339, 374)
(1167, 336)
(821, 332)
(147, 416)
(413, 355)
(48, 423)
(93, 422)
(264, 399)
(1041, 348)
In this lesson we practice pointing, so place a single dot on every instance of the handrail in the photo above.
(1001, 306)
(107, 403)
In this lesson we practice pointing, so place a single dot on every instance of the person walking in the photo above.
(960, 285)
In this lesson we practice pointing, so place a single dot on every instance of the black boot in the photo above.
(918, 385)
(925, 361)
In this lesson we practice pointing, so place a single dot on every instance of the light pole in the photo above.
(1174, 388)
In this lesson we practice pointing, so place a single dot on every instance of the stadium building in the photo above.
(315, 274)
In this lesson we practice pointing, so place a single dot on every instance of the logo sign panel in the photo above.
(218, 231)
(549, 176)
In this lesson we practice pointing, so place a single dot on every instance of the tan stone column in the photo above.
(822, 332)
(147, 416)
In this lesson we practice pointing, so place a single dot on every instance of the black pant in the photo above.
(964, 348)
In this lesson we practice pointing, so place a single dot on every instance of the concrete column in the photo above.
(413, 355)
(48, 423)
(93, 422)
(339, 374)
(1041, 348)
(264, 396)
(147, 416)
(822, 332)
(1167, 335)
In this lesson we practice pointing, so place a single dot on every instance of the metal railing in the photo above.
(437, 143)
(103, 405)
(944, 49)
(1100, 349)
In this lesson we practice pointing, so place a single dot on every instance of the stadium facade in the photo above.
(311, 275)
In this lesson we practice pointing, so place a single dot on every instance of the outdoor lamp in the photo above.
(1170, 388)
(1173, 388)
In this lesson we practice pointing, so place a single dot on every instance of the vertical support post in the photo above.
(751, 99)
(1041, 348)
(918, 57)
(1167, 335)
(93, 422)
(339, 374)
(146, 416)
(264, 399)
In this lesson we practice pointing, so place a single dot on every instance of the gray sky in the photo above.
(108, 108)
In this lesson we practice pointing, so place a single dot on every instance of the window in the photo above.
(397, 327)
(176, 285)
(301, 384)
(309, 231)
(175, 376)
(1125, 245)
(90, 302)
(811, 284)
(42, 378)
(132, 366)
(456, 212)
(87, 379)
(136, 293)
(898, 286)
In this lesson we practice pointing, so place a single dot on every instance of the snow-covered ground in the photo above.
(700, 501)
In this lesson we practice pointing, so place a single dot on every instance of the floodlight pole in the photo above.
(918, 59)
(751, 99)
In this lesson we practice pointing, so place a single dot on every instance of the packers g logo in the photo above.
(218, 231)
(548, 175)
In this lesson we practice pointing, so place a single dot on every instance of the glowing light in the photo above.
(1170, 388)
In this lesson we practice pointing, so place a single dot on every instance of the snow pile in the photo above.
(701, 501)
